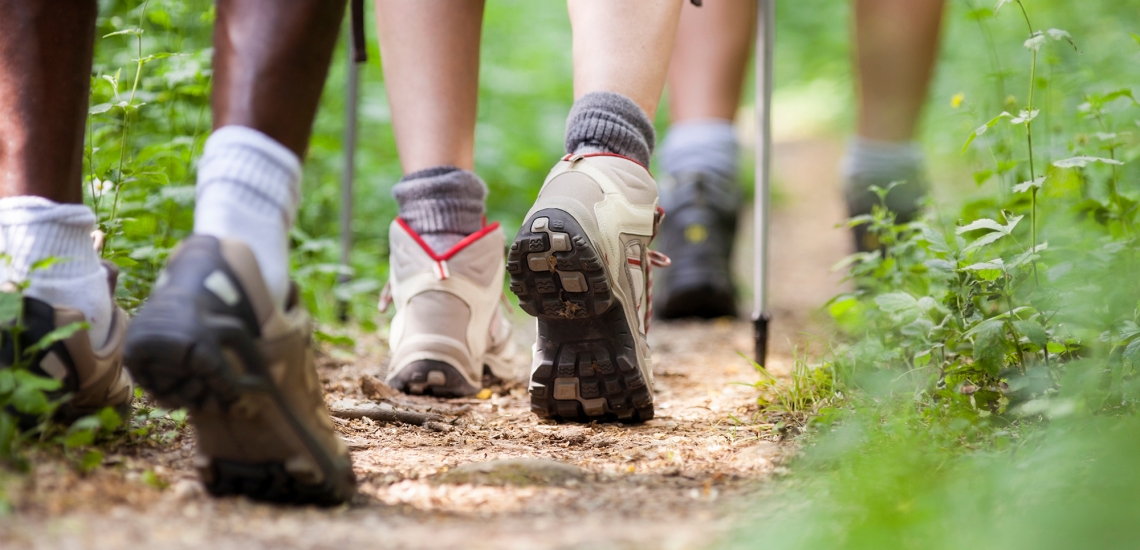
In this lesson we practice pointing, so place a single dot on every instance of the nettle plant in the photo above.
(1034, 278)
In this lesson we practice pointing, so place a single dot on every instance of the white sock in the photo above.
(249, 187)
(33, 229)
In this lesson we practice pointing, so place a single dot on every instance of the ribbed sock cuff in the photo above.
(609, 122)
(34, 229)
(443, 199)
(881, 160)
(707, 146)
(260, 173)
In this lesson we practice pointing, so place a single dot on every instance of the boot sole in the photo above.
(434, 378)
(588, 369)
(213, 368)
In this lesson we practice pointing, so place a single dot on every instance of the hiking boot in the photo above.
(93, 377)
(698, 235)
(449, 325)
(903, 200)
(580, 264)
(210, 339)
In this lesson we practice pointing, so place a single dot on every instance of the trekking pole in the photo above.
(357, 54)
(765, 44)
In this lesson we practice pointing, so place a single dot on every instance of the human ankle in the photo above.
(249, 190)
(442, 204)
(34, 230)
(706, 146)
(608, 122)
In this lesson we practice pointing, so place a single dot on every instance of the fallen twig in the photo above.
(387, 414)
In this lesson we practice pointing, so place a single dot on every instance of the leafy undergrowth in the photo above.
(985, 393)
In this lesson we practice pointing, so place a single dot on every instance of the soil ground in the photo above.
(673, 482)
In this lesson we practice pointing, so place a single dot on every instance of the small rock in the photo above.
(573, 434)
(185, 490)
(520, 472)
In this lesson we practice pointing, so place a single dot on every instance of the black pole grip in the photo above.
(359, 45)
(760, 334)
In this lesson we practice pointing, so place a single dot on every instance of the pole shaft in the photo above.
(352, 91)
(765, 46)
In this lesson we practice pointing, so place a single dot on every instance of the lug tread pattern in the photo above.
(588, 368)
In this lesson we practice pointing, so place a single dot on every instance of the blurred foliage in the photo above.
(988, 362)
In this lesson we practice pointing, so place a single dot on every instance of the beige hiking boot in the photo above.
(449, 323)
(95, 378)
(580, 264)
(211, 339)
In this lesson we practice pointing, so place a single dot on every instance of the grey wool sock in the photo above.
(443, 204)
(607, 122)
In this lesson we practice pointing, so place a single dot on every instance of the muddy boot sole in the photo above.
(213, 368)
(588, 366)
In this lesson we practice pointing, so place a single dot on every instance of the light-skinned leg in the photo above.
(700, 155)
(895, 48)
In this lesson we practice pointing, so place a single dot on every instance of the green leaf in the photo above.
(1132, 351)
(1027, 185)
(1058, 34)
(109, 420)
(935, 240)
(984, 223)
(989, 343)
(1081, 162)
(1056, 347)
(79, 438)
(91, 460)
(152, 479)
(26, 379)
(896, 301)
(61, 333)
(983, 129)
(99, 109)
(10, 305)
(29, 400)
(1033, 332)
(7, 381)
(993, 264)
(45, 263)
(984, 240)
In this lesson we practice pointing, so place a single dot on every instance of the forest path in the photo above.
(673, 482)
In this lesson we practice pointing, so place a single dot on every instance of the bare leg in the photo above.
(270, 65)
(45, 73)
(431, 72)
(623, 46)
(714, 43)
(896, 45)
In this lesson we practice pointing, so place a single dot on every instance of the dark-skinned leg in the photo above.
(219, 335)
(45, 74)
(270, 63)
(271, 60)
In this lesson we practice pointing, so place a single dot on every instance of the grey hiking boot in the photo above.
(94, 377)
(580, 264)
(698, 234)
(210, 339)
(870, 163)
(449, 325)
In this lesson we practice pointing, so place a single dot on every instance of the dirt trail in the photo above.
(670, 483)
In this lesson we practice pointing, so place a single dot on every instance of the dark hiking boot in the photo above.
(904, 199)
(93, 377)
(698, 233)
(580, 264)
(210, 339)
